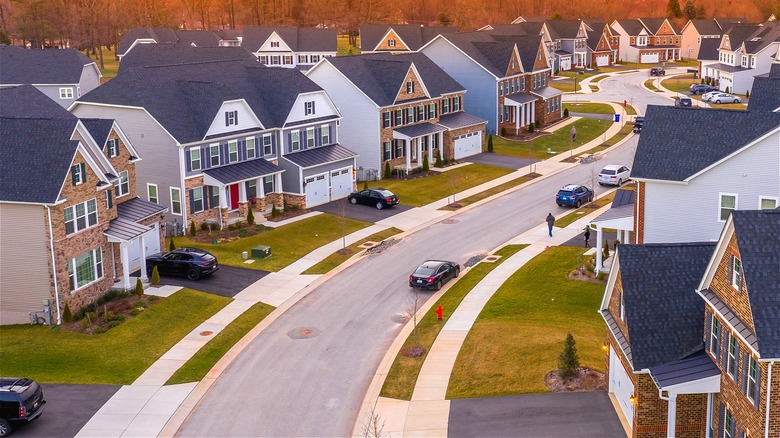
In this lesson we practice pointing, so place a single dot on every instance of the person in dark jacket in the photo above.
(550, 222)
(587, 237)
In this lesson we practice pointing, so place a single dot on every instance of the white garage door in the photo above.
(566, 64)
(620, 385)
(316, 190)
(151, 243)
(649, 57)
(340, 183)
(468, 144)
(602, 60)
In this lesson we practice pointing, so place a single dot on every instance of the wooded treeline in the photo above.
(88, 24)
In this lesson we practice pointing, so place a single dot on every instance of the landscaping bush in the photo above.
(438, 157)
(425, 167)
(67, 316)
(155, 275)
(503, 131)
(141, 304)
(232, 227)
(172, 245)
(139, 287)
(569, 361)
(274, 211)
(531, 129)
(747, 94)
(490, 143)
(192, 228)
(250, 217)
(605, 249)
(565, 112)
(243, 233)
(387, 170)
(204, 226)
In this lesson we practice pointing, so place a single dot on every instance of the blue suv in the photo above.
(573, 194)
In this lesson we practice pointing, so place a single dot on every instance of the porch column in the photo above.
(599, 245)
(125, 265)
(533, 112)
(241, 192)
(671, 416)
(222, 197)
(626, 236)
(516, 110)
(527, 114)
(418, 145)
(431, 158)
(144, 277)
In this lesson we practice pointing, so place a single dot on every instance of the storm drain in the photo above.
(491, 258)
(399, 318)
(304, 333)
(368, 244)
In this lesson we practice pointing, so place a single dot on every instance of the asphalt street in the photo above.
(626, 86)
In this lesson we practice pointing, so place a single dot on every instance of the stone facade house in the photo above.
(72, 225)
(603, 44)
(398, 38)
(647, 40)
(290, 46)
(399, 109)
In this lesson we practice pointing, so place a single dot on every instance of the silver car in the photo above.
(724, 98)
(707, 96)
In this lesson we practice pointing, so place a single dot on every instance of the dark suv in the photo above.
(573, 194)
(193, 263)
(21, 401)
(701, 88)
(657, 71)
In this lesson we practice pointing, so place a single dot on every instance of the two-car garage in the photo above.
(467, 145)
(328, 186)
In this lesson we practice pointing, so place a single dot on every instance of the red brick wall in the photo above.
(639, 213)
(736, 300)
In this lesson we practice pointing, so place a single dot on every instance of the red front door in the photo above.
(233, 196)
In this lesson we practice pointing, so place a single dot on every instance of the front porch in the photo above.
(418, 141)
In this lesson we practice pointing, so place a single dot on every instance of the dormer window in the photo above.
(308, 107)
(410, 87)
(391, 42)
(78, 174)
(274, 43)
(231, 118)
(66, 93)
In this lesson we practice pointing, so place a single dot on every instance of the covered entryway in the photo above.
(233, 195)
(316, 189)
(467, 145)
(602, 60)
(340, 183)
(649, 58)
(621, 386)
(151, 246)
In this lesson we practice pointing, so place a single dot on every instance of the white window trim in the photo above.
(756, 384)
(720, 203)
(149, 193)
(66, 93)
(736, 275)
(323, 130)
(731, 359)
(113, 151)
(231, 118)
(202, 199)
(120, 193)
(173, 210)
(270, 144)
(768, 198)
(233, 144)
(88, 225)
(295, 141)
(200, 160)
(72, 265)
(81, 176)
(713, 337)
(211, 156)
(311, 136)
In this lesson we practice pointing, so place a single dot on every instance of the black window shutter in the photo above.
(722, 419)
(227, 119)
(83, 172)
(708, 331)
(289, 140)
(725, 355)
(73, 172)
(188, 159)
(313, 111)
(743, 371)
(236, 113)
(317, 136)
(736, 361)
(110, 199)
(731, 269)
(757, 402)
(192, 201)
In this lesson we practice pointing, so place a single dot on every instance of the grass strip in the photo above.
(340, 257)
(402, 377)
(589, 108)
(559, 141)
(586, 209)
(492, 191)
(204, 359)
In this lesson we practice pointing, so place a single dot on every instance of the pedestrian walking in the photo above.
(587, 236)
(550, 222)
(573, 134)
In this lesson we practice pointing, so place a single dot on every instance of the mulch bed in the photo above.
(119, 310)
(587, 380)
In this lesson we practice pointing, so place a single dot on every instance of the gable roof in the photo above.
(765, 94)
(29, 176)
(663, 313)
(99, 129)
(35, 66)
(381, 75)
(632, 27)
(26, 101)
(706, 27)
(185, 98)
(162, 35)
(739, 33)
(299, 39)
(676, 143)
(492, 49)
(654, 24)
(150, 55)
(563, 29)
(708, 49)
(414, 36)
(765, 35)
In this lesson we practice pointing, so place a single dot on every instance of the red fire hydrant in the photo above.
(439, 311)
(624, 103)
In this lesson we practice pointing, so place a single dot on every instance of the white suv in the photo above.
(614, 174)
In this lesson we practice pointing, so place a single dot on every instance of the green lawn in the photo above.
(422, 191)
(110, 63)
(492, 191)
(583, 211)
(518, 336)
(116, 357)
(205, 358)
(590, 108)
(403, 372)
(598, 78)
(338, 258)
(559, 141)
(288, 243)
(650, 84)
(563, 86)
(343, 47)
(679, 84)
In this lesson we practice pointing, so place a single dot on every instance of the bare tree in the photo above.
(413, 302)
(373, 426)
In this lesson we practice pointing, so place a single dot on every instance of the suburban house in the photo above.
(765, 94)
(603, 44)
(692, 338)
(222, 137)
(398, 110)
(152, 55)
(570, 41)
(289, 46)
(506, 75)
(647, 40)
(688, 184)
(75, 74)
(162, 35)
(745, 51)
(697, 30)
(398, 38)
(72, 225)
(708, 55)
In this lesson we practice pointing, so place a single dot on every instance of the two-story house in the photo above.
(214, 134)
(74, 75)
(603, 44)
(571, 39)
(647, 40)
(161, 35)
(687, 184)
(289, 46)
(745, 51)
(698, 29)
(399, 109)
(398, 38)
(506, 75)
(72, 225)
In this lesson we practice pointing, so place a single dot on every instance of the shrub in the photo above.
(84, 323)
(232, 227)
(141, 304)
(728, 89)
(136, 311)
(425, 167)
(605, 249)
(538, 123)
(243, 233)
(204, 226)
(192, 228)
(139, 287)
(565, 112)
(152, 298)
(530, 129)
(155, 275)
(172, 245)
(387, 170)
(438, 158)
(66, 315)
(112, 324)
(503, 131)
(601, 276)
(274, 211)
(259, 228)
(98, 330)
(490, 143)
(250, 217)
(569, 361)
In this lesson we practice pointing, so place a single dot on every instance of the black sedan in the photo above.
(433, 274)
(193, 263)
(378, 197)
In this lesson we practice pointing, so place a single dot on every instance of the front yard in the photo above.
(559, 141)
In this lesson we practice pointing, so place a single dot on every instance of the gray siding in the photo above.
(292, 181)
(224, 152)
(53, 92)
(24, 271)
(286, 136)
(90, 79)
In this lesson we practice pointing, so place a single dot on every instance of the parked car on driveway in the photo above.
(573, 194)
(708, 95)
(639, 122)
(193, 263)
(657, 71)
(683, 101)
(21, 401)
(432, 274)
(724, 98)
(614, 174)
(378, 197)
(701, 88)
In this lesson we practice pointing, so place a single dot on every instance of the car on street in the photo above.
(657, 71)
(701, 88)
(573, 195)
(614, 174)
(708, 95)
(432, 274)
(376, 196)
(683, 101)
(21, 401)
(193, 263)
(639, 122)
(724, 98)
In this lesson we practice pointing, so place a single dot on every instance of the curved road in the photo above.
(627, 86)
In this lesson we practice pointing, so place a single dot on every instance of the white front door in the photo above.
(468, 144)
(340, 183)
(602, 60)
(316, 189)
(621, 386)
(151, 244)
(649, 58)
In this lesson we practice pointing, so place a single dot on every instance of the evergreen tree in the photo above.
(438, 158)
(490, 143)
(690, 10)
(155, 275)
(250, 217)
(67, 316)
(192, 228)
(387, 170)
(605, 249)
(139, 287)
(673, 9)
(172, 245)
(569, 361)
(425, 166)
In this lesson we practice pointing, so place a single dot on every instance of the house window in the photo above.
(268, 184)
(715, 336)
(310, 140)
(387, 149)
(66, 93)
(731, 363)
(752, 380)
(80, 216)
(410, 115)
(231, 118)
(728, 425)
(325, 134)
(274, 43)
(78, 173)
(728, 202)
(386, 119)
(456, 103)
(303, 59)
(85, 269)
(250, 148)
(122, 187)
(399, 117)
(288, 60)
(232, 151)
(175, 201)
(399, 148)
(251, 188)
(314, 59)
(113, 148)
(264, 59)
(195, 159)
(275, 60)
(621, 308)
(295, 140)
(445, 106)
(197, 199)
(409, 87)
(267, 145)
(391, 42)
(214, 154)
(151, 192)
(767, 203)
(736, 276)
(421, 112)
(432, 111)
(308, 107)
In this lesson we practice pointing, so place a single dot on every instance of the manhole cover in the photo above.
(399, 319)
(304, 333)
(450, 221)
(206, 333)
(368, 244)
(491, 259)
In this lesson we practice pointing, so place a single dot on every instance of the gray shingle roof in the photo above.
(739, 33)
(676, 143)
(320, 155)
(654, 25)
(185, 98)
(459, 120)
(26, 101)
(731, 318)
(198, 38)
(242, 171)
(380, 76)
(563, 29)
(527, 48)
(137, 209)
(41, 66)
(708, 49)
(758, 238)
(707, 27)
(414, 36)
(694, 367)
(663, 312)
(299, 39)
(622, 206)
(99, 129)
(765, 94)
(158, 34)
(632, 27)
(765, 35)
(27, 174)
(419, 129)
(150, 55)
(125, 230)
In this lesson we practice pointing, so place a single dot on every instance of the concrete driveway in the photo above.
(359, 212)
(566, 414)
(68, 408)
(498, 160)
(226, 282)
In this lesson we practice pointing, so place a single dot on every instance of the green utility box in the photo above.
(261, 251)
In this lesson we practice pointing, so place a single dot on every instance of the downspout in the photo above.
(54, 268)
(671, 413)
(768, 397)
